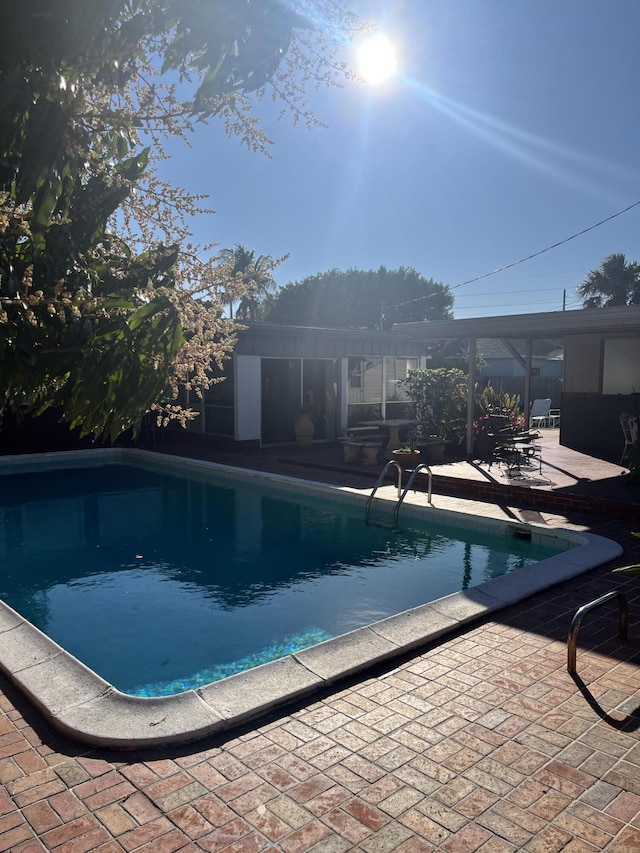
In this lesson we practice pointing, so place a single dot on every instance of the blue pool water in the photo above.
(161, 583)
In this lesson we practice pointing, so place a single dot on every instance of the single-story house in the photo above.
(349, 375)
(342, 376)
(346, 376)
(500, 360)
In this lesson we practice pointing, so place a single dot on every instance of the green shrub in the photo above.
(440, 397)
(498, 402)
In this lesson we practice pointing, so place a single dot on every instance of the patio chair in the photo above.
(629, 426)
(514, 448)
(539, 414)
(554, 417)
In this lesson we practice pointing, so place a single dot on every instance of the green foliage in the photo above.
(492, 401)
(440, 400)
(358, 299)
(440, 395)
(615, 282)
(455, 356)
(254, 276)
(101, 311)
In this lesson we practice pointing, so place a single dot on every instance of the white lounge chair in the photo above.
(539, 414)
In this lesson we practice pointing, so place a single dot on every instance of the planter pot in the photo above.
(483, 446)
(303, 430)
(435, 450)
(407, 459)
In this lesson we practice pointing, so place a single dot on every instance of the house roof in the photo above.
(405, 339)
(271, 340)
(610, 322)
(541, 348)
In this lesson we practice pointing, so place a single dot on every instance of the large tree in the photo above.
(105, 306)
(359, 299)
(615, 282)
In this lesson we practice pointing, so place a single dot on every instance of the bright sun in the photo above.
(377, 59)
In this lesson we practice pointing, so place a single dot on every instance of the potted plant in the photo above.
(408, 456)
(484, 441)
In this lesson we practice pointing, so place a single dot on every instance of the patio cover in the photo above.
(620, 321)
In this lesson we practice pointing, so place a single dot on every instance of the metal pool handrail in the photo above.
(391, 463)
(581, 612)
(401, 494)
(408, 486)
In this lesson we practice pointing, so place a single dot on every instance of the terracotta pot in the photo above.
(303, 429)
(407, 459)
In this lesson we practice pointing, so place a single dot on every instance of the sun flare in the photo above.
(377, 59)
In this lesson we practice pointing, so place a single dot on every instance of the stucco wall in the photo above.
(583, 364)
(600, 378)
(621, 373)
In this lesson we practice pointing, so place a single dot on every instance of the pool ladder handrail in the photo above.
(401, 495)
(391, 464)
(581, 612)
(412, 477)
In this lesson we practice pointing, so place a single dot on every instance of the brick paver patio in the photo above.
(481, 742)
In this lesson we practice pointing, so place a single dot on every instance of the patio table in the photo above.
(394, 425)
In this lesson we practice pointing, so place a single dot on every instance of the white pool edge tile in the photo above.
(83, 706)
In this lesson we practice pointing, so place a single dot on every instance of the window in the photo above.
(365, 380)
(396, 369)
(374, 388)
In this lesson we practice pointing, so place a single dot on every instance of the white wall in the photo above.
(582, 364)
(248, 397)
(621, 366)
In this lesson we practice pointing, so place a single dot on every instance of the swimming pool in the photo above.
(204, 577)
(114, 525)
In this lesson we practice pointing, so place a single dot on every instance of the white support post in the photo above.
(248, 397)
(527, 381)
(471, 387)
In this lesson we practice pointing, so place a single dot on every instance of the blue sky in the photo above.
(511, 125)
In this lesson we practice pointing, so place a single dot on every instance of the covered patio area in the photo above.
(601, 366)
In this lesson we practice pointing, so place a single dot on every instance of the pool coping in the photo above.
(79, 703)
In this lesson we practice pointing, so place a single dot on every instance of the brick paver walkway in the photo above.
(480, 743)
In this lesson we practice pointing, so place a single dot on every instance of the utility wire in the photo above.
(501, 292)
(548, 249)
(522, 260)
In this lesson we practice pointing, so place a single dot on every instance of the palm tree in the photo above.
(255, 274)
(615, 282)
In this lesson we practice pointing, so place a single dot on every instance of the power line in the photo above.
(536, 290)
(521, 304)
(522, 260)
(548, 248)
